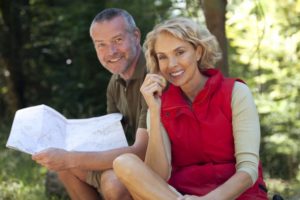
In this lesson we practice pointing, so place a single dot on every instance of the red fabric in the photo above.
(201, 138)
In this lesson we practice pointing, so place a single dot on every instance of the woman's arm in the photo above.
(157, 154)
(246, 132)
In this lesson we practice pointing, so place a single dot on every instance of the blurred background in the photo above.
(47, 57)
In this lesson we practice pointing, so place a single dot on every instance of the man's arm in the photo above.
(103, 160)
(58, 159)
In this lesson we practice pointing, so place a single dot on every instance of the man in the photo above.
(85, 175)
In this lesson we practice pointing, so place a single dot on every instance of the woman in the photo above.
(204, 129)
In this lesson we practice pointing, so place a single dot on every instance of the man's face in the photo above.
(116, 46)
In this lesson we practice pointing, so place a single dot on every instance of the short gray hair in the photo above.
(111, 13)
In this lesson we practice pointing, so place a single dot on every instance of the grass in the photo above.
(289, 190)
(20, 177)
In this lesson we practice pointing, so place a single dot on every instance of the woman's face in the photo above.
(177, 59)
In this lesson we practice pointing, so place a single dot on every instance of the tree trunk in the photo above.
(11, 52)
(214, 12)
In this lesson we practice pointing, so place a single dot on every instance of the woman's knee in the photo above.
(126, 164)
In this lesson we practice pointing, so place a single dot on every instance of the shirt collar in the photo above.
(139, 71)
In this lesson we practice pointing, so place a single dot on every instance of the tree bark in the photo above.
(214, 12)
(11, 52)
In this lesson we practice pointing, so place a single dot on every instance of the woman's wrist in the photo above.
(154, 112)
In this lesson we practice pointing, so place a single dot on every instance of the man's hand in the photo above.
(53, 159)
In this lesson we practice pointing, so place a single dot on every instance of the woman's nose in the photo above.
(172, 61)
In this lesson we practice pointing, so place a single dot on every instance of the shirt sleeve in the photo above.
(143, 115)
(246, 130)
(110, 103)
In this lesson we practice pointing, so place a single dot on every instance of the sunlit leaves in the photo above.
(265, 39)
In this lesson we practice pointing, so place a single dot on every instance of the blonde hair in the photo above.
(187, 30)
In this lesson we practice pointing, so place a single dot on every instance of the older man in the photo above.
(89, 175)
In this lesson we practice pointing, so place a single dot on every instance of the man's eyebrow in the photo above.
(118, 35)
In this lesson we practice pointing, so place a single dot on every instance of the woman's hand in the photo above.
(152, 88)
(192, 197)
(188, 197)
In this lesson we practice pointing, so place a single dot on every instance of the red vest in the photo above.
(202, 139)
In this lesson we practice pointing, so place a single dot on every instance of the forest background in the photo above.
(47, 57)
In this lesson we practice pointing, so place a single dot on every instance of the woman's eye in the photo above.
(161, 57)
(180, 53)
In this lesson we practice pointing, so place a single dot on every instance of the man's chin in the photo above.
(116, 71)
(113, 69)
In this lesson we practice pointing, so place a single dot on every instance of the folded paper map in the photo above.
(40, 127)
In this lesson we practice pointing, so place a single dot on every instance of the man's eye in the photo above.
(118, 40)
(100, 45)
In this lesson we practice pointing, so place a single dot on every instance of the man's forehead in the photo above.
(107, 30)
(114, 23)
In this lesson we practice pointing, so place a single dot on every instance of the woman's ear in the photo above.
(199, 52)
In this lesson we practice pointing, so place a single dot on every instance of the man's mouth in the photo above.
(116, 59)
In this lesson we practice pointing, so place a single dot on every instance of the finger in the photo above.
(156, 78)
(40, 163)
(36, 156)
(155, 89)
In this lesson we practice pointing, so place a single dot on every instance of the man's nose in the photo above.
(112, 49)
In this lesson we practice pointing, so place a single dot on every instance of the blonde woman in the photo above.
(204, 128)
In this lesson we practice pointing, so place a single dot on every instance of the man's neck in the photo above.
(130, 71)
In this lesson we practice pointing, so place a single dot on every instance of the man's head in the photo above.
(117, 41)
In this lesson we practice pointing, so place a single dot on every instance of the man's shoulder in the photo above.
(140, 68)
(113, 84)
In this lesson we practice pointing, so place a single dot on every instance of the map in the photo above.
(40, 127)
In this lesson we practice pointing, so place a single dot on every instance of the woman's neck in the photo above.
(193, 87)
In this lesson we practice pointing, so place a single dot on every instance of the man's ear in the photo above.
(137, 35)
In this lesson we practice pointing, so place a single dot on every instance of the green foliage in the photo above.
(20, 178)
(59, 62)
(61, 67)
(145, 12)
(265, 52)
